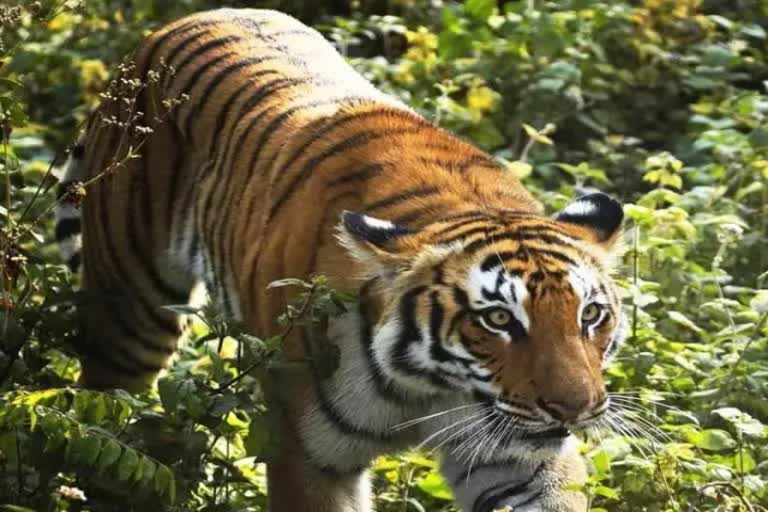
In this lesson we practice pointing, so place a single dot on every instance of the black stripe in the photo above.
(448, 165)
(180, 46)
(385, 387)
(127, 331)
(503, 257)
(517, 236)
(92, 352)
(472, 218)
(552, 255)
(400, 197)
(178, 31)
(210, 89)
(362, 174)
(201, 50)
(74, 262)
(319, 233)
(325, 129)
(147, 270)
(409, 334)
(139, 249)
(264, 136)
(412, 216)
(179, 163)
(468, 215)
(62, 189)
(461, 298)
(69, 227)
(545, 228)
(436, 317)
(484, 229)
(112, 303)
(339, 421)
(224, 113)
(483, 161)
(223, 161)
(188, 207)
(218, 134)
(530, 500)
(495, 260)
(352, 142)
(493, 497)
(224, 155)
(200, 72)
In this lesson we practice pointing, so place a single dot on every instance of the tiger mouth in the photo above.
(545, 435)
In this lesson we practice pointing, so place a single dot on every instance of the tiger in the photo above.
(480, 325)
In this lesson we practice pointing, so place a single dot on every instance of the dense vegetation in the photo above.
(660, 102)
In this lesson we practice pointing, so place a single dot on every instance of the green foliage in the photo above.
(660, 102)
(60, 429)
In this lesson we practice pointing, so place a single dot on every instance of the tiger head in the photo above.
(512, 309)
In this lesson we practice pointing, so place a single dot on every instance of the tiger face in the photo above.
(512, 309)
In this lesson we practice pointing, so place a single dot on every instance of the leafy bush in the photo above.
(661, 102)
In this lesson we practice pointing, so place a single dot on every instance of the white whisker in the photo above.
(409, 423)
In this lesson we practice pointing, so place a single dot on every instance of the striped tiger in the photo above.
(480, 327)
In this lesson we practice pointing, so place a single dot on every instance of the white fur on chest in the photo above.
(352, 394)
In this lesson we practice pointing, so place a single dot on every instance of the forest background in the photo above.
(662, 103)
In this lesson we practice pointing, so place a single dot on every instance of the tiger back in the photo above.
(254, 152)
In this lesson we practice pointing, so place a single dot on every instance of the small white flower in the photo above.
(71, 493)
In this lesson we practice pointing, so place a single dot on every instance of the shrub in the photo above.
(661, 102)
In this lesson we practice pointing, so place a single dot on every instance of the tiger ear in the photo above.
(599, 213)
(378, 244)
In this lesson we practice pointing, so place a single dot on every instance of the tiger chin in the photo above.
(481, 325)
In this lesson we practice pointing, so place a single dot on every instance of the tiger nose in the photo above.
(564, 410)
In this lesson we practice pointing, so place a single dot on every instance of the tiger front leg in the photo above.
(521, 486)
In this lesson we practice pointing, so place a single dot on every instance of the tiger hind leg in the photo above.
(127, 336)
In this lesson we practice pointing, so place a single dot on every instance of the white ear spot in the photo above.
(375, 223)
(580, 209)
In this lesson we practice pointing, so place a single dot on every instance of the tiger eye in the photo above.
(590, 313)
(499, 317)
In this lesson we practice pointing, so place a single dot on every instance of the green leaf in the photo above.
(684, 321)
(83, 449)
(165, 484)
(259, 437)
(480, 9)
(753, 30)
(222, 404)
(713, 440)
(97, 410)
(148, 470)
(434, 486)
(742, 421)
(91, 447)
(9, 83)
(534, 134)
(127, 464)
(169, 396)
(602, 462)
(605, 492)
(110, 453)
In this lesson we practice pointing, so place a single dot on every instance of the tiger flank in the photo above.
(481, 326)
